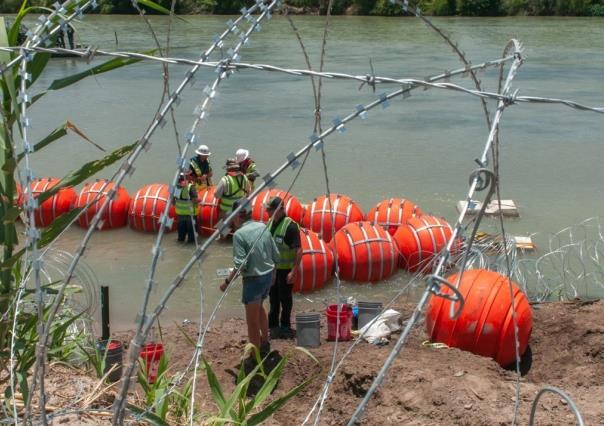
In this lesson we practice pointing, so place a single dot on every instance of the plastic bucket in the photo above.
(343, 331)
(368, 311)
(112, 351)
(151, 354)
(308, 330)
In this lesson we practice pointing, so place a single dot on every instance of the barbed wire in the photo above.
(509, 99)
(479, 180)
(226, 67)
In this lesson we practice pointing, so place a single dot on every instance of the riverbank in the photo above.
(359, 7)
(425, 386)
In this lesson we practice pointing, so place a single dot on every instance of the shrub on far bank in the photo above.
(596, 10)
(443, 8)
(479, 7)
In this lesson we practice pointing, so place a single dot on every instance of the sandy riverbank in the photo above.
(425, 386)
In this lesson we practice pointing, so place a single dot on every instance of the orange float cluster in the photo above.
(369, 248)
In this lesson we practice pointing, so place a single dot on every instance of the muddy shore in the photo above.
(425, 386)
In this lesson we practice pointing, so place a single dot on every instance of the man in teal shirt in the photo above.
(255, 253)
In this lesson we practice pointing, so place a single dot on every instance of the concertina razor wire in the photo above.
(569, 253)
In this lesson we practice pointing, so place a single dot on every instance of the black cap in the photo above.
(274, 203)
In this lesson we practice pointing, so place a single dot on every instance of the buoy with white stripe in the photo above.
(365, 252)
(318, 215)
(115, 214)
(208, 212)
(392, 213)
(419, 240)
(146, 208)
(52, 207)
(293, 208)
(486, 323)
(316, 266)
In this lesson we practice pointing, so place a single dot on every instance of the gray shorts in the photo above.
(256, 288)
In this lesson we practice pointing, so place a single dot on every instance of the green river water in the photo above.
(421, 148)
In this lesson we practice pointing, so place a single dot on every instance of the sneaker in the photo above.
(275, 333)
(287, 333)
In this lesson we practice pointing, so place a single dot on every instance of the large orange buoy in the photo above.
(316, 266)
(365, 252)
(52, 207)
(319, 213)
(208, 213)
(146, 207)
(392, 213)
(485, 326)
(115, 214)
(293, 208)
(420, 239)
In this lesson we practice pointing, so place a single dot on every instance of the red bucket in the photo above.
(332, 322)
(151, 354)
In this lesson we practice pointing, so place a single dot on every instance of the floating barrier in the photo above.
(116, 213)
(420, 239)
(316, 265)
(392, 213)
(319, 213)
(208, 213)
(365, 252)
(293, 208)
(146, 207)
(53, 207)
(485, 326)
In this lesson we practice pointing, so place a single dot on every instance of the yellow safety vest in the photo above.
(287, 255)
(184, 205)
(234, 189)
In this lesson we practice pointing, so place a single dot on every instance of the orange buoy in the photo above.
(392, 213)
(319, 214)
(52, 207)
(420, 239)
(316, 266)
(115, 214)
(146, 207)
(293, 208)
(208, 213)
(485, 326)
(365, 252)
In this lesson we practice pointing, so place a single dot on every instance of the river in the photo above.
(421, 148)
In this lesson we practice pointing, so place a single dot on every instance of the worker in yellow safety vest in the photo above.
(247, 165)
(286, 233)
(200, 167)
(233, 186)
(185, 202)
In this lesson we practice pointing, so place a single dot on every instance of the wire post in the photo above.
(106, 331)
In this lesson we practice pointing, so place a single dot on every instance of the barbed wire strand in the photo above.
(142, 330)
(564, 395)
(436, 275)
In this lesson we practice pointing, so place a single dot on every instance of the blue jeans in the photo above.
(256, 288)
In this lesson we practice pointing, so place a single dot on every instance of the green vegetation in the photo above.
(364, 7)
(20, 319)
(241, 408)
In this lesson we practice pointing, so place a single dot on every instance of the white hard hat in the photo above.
(242, 154)
(203, 150)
